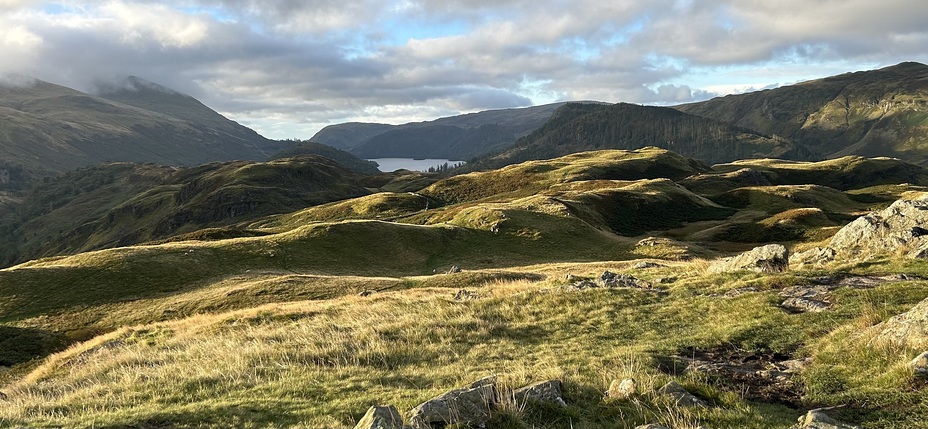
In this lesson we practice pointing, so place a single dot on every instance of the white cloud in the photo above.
(288, 66)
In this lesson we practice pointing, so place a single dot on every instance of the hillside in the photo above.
(582, 127)
(346, 159)
(592, 269)
(456, 137)
(869, 113)
(123, 204)
(46, 129)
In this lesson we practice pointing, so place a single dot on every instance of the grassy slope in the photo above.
(210, 351)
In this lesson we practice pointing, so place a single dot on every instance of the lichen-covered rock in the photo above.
(651, 426)
(772, 258)
(920, 365)
(814, 257)
(622, 389)
(381, 417)
(681, 396)
(817, 419)
(909, 328)
(899, 227)
(804, 305)
(469, 405)
(547, 391)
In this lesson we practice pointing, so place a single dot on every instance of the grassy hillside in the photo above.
(346, 159)
(123, 204)
(582, 127)
(870, 113)
(305, 318)
(49, 128)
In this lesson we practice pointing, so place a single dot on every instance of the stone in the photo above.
(897, 228)
(546, 391)
(907, 329)
(381, 417)
(365, 293)
(622, 389)
(920, 365)
(613, 280)
(772, 258)
(811, 258)
(805, 305)
(466, 295)
(652, 426)
(817, 419)
(642, 265)
(681, 396)
(454, 269)
(469, 405)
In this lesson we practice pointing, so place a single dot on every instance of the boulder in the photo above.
(466, 295)
(804, 305)
(381, 417)
(454, 269)
(814, 257)
(899, 227)
(817, 419)
(622, 389)
(772, 258)
(908, 329)
(681, 396)
(652, 426)
(546, 391)
(920, 365)
(469, 405)
(613, 280)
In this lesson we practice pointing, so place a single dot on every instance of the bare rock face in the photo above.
(813, 257)
(909, 328)
(817, 419)
(772, 258)
(381, 417)
(469, 405)
(901, 226)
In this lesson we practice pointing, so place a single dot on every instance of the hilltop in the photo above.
(304, 318)
(48, 129)
(869, 113)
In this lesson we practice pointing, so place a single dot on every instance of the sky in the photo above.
(287, 68)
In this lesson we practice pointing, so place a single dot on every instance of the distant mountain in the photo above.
(455, 137)
(583, 127)
(47, 128)
(346, 159)
(121, 204)
(870, 113)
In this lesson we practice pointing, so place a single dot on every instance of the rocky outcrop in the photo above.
(545, 391)
(901, 226)
(612, 281)
(909, 328)
(381, 417)
(919, 365)
(622, 389)
(816, 256)
(772, 258)
(470, 405)
(817, 419)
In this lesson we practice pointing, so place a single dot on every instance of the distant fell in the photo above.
(346, 159)
(454, 137)
(869, 113)
(584, 127)
(47, 128)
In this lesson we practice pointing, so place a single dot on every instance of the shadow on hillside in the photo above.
(19, 345)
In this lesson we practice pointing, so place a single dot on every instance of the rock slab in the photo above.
(772, 258)
(381, 417)
(470, 405)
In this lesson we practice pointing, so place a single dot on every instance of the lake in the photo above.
(393, 164)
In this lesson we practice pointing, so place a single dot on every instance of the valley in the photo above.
(766, 270)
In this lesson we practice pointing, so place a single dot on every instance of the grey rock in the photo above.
(652, 426)
(772, 258)
(365, 293)
(643, 265)
(920, 365)
(469, 405)
(899, 227)
(547, 391)
(811, 258)
(805, 305)
(681, 396)
(817, 419)
(908, 329)
(622, 389)
(466, 295)
(613, 280)
(454, 269)
(381, 417)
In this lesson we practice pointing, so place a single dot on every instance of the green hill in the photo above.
(869, 113)
(350, 161)
(583, 127)
(47, 129)
(123, 204)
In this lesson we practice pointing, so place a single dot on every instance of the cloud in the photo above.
(292, 67)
